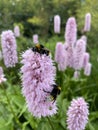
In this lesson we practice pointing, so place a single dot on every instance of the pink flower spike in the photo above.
(16, 31)
(84, 38)
(71, 31)
(76, 74)
(69, 56)
(87, 25)
(8, 43)
(1, 57)
(87, 70)
(2, 76)
(78, 54)
(77, 114)
(85, 59)
(60, 56)
(38, 76)
(57, 23)
(35, 39)
(58, 51)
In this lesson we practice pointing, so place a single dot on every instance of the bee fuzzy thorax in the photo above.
(39, 46)
(41, 50)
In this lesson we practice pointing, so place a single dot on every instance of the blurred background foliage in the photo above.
(36, 17)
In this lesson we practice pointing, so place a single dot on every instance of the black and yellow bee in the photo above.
(54, 93)
(41, 49)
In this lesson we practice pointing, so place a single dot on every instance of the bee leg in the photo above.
(46, 91)
(53, 101)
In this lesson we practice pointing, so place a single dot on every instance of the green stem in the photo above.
(8, 100)
(50, 123)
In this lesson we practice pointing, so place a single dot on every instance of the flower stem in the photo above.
(50, 123)
(8, 100)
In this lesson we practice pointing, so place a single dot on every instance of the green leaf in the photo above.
(93, 115)
(23, 110)
(4, 125)
(44, 125)
(18, 100)
(62, 121)
(90, 126)
(10, 120)
(24, 125)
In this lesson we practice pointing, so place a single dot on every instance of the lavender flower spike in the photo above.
(87, 70)
(76, 74)
(57, 23)
(71, 31)
(38, 75)
(84, 38)
(57, 52)
(8, 43)
(69, 55)
(16, 31)
(35, 39)
(1, 57)
(77, 114)
(2, 76)
(78, 54)
(60, 56)
(87, 25)
(85, 59)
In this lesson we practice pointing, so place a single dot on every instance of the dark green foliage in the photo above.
(35, 16)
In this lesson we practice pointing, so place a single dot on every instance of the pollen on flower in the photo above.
(50, 108)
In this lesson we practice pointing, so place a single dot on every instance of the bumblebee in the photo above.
(54, 93)
(41, 49)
